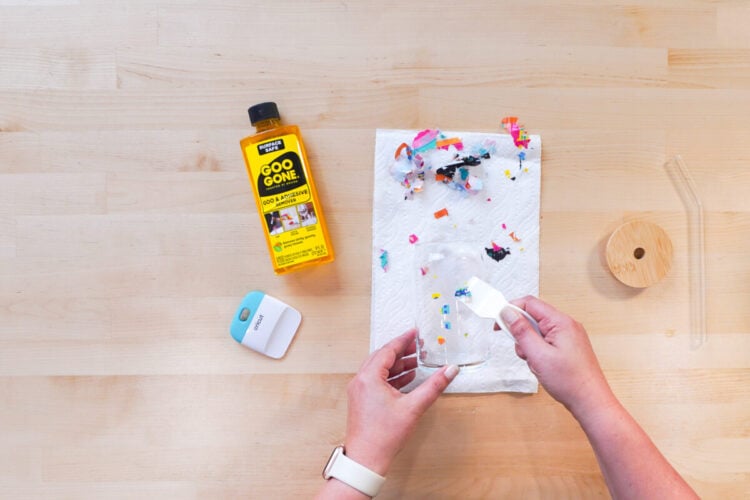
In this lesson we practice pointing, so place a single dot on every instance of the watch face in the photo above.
(331, 460)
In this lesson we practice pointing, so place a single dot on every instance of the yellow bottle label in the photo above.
(280, 175)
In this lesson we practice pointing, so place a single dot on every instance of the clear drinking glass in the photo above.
(449, 333)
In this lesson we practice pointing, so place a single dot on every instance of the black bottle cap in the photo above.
(263, 111)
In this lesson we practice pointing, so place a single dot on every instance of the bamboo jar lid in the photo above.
(639, 254)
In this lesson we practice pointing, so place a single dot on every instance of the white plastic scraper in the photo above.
(486, 301)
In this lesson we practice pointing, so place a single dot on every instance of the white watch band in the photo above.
(350, 472)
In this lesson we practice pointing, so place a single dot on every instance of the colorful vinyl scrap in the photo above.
(432, 151)
(443, 212)
(520, 136)
(384, 260)
(497, 252)
(425, 140)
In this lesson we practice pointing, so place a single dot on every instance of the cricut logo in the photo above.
(257, 323)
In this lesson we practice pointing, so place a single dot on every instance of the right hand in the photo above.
(562, 359)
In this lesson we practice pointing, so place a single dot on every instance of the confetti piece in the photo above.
(514, 237)
(435, 296)
(504, 226)
(486, 149)
(441, 213)
(497, 253)
(413, 238)
(447, 325)
(446, 309)
(452, 141)
(384, 260)
(466, 335)
(519, 134)
(425, 140)
(423, 270)
(441, 340)
(462, 292)
(403, 146)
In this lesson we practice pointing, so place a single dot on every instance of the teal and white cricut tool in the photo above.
(487, 301)
(265, 324)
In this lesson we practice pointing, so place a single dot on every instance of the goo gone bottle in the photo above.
(285, 194)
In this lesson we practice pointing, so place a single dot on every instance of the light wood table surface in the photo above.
(128, 234)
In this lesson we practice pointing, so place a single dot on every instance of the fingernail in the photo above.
(508, 315)
(451, 372)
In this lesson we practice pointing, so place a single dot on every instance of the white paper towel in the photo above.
(478, 218)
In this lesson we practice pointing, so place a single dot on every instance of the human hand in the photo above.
(563, 359)
(381, 418)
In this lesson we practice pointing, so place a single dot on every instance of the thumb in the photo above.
(428, 392)
(522, 331)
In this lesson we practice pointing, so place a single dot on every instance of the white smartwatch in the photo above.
(350, 472)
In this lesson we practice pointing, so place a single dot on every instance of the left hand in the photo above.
(381, 418)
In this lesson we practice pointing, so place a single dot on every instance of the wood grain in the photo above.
(639, 254)
(128, 235)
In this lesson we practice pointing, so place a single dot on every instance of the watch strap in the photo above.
(352, 473)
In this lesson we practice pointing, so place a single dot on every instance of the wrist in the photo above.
(595, 403)
(369, 455)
